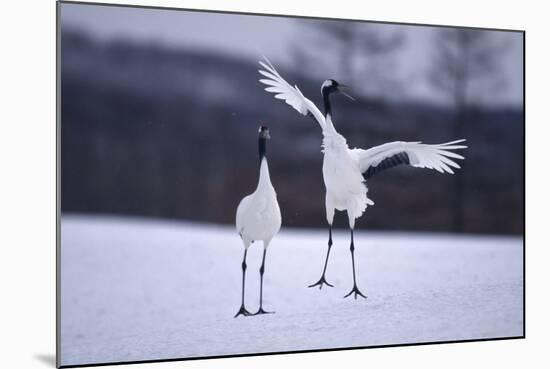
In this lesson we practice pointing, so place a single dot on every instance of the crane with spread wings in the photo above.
(346, 171)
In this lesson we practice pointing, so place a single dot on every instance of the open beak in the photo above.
(342, 89)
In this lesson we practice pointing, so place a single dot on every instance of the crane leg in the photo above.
(262, 269)
(354, 290)
(242, 310)
(322, 281)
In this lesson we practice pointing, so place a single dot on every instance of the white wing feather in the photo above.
(420, 155)
(291, 95)
(241, 211)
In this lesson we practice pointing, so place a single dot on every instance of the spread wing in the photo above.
(291, 95)
(416, 154)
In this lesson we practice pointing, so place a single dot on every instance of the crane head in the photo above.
(263, 132)
(331, 85)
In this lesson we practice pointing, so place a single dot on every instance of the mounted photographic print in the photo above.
(241, 184)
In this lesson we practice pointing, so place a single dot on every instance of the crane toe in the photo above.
(321, 282)
(243, 311)
(262, 311)
(355, 291)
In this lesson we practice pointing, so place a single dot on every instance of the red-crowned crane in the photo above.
(346, 171)
(258, 217)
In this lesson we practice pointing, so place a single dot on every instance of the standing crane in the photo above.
(258, 218)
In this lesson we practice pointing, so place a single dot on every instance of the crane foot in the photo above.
(243, 311)
(321, 282)
(262, 311)
(355, 291)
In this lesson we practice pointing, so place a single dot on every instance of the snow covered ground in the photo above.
(136, 289)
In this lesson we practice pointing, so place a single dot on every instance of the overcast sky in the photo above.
(253, 36)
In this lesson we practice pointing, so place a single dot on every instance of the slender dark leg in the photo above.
(354, 290)
(262, 269)
(243, 310)
(322, 281)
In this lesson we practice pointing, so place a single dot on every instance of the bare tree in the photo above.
(466, 66)
(356, 49)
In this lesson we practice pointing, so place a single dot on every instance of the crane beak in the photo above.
(342, 89)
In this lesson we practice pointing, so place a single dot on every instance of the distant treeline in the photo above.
(172, 133)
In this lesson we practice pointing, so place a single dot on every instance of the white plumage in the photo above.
(291, 95)
(345, 170)
(420, 155)
(258, 218)
(258, 215)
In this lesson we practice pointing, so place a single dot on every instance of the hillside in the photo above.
(171, 133)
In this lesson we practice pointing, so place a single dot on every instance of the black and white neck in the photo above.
(263, 136)
(264, 182)
(326, 101)
(328, 87)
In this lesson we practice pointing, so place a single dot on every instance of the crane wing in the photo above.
(291, 95)
(416, 154)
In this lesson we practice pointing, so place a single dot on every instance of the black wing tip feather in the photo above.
(387, 163)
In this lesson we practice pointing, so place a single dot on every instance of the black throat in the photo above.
(262, 147)
(326, 101)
